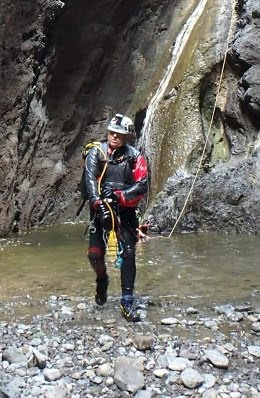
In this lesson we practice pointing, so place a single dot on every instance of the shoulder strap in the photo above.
(86, 149)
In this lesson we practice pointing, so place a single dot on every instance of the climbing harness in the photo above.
(209, 130)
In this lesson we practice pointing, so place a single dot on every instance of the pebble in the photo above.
(179, 364)
(217, 358)
(191, 378)
(256, 326)
(254, 350)
(169, 321)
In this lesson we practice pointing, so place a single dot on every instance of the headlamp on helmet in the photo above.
(121, 124)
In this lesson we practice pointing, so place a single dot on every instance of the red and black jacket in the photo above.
(126, 173)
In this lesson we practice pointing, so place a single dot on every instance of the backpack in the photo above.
(82, 184)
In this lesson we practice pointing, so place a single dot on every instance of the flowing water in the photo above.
(193, 269)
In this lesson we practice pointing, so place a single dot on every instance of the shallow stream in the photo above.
(192, 269)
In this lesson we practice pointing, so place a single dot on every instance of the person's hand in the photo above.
(105, 217)
(104, 214)
(96, 204)
(108, 193)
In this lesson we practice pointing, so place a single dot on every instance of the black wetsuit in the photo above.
(126, 174)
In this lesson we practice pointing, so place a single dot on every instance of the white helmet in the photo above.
(121, 124)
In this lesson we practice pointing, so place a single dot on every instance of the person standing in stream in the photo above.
(116, 177)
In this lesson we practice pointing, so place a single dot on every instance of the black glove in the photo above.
(108, 193)
(105, 217)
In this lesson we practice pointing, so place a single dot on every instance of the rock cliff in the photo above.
(66, 67)
(225, 195)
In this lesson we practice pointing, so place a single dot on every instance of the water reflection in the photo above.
(208, 268)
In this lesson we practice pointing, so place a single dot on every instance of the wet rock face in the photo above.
(224, 200)
(242, 111)
(25, 32)
(66, 67)
(225, 195)
(245, 53)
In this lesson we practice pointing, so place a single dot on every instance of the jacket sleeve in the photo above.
(92, 174)
(131, 196)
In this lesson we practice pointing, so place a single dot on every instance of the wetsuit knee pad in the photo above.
(95, 254)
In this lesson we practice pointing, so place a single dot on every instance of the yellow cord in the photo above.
(112, 244)
(102, 175)
(210, 126)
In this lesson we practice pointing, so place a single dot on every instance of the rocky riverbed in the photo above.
(76, 349)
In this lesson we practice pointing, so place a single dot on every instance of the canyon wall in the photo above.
(67, 67)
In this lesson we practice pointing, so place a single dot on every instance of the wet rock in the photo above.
(169, 321)
(191, 378)
(256, 326)
(68, 347)
(109, 381)
(149, 393)
(210, 393)
(179, 364)
(13, 388)
(36, 342)
(65, 310)
(245, 307)
(104, 339)
(161, 373)
(97, 380)
(127, 376)
(173, 378)
(225, 309)
(211, 324)
(128, 361)
(52, 374)
(14, 355)
(235, 316)
(223, 212)
(209, 381)
(55, 391)
(192, 310)
(229, 347)
(37, 359)
(217, 358)
(105, 370)
(81, 306)
(165, 359)
(254, 350)
(143, 342)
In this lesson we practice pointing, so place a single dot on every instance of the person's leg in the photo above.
(128, 270)
(96, 255)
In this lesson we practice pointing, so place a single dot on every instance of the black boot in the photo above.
(101, 290)
(128, 309)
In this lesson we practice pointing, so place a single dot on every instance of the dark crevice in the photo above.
(139, 121)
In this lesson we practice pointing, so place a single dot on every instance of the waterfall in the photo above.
(177, 50)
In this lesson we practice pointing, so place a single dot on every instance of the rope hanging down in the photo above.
(209, 130)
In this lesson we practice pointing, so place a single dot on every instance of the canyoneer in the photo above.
(115, 180)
